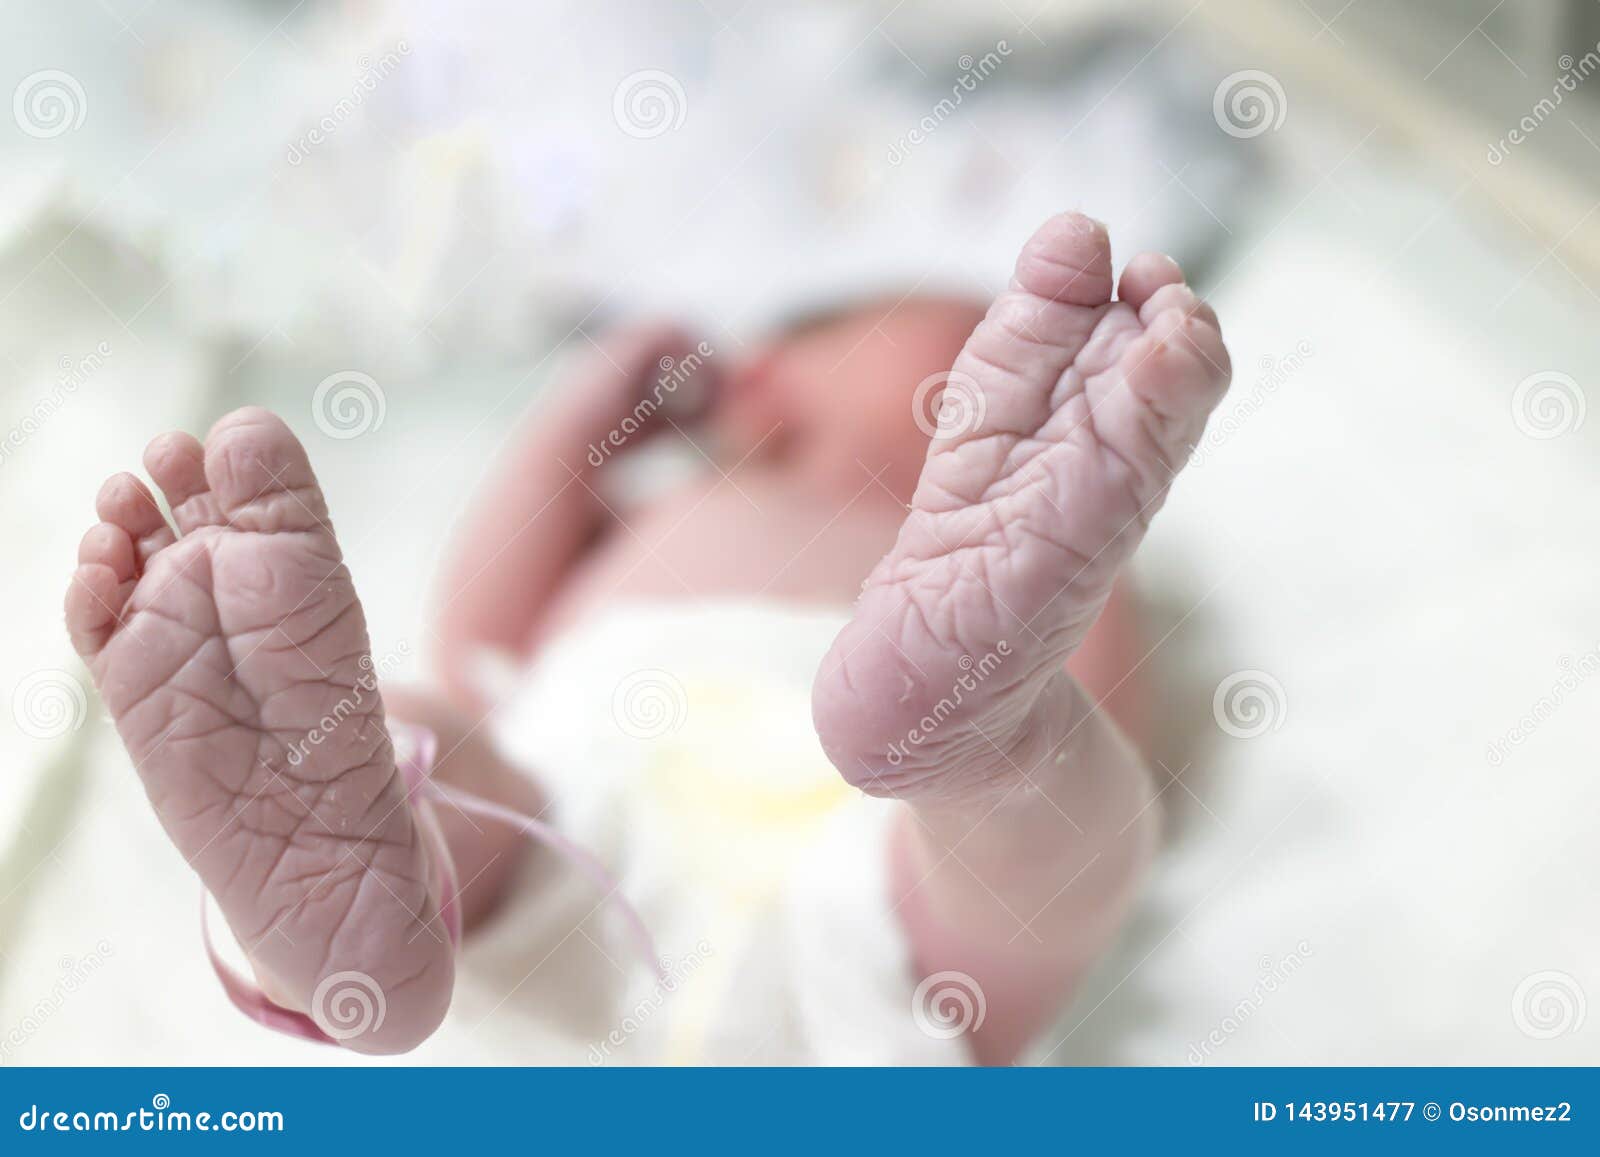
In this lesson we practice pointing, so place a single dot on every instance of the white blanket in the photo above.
(1377, 532)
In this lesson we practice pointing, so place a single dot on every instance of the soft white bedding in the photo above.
(1376, 532)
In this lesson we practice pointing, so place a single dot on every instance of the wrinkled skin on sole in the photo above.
(233, 656)
(1065, 419)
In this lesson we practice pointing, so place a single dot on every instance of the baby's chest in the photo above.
(728, 540)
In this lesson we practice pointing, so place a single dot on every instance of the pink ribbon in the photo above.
(420, 752)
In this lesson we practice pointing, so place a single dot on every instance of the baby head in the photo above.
(836, 391)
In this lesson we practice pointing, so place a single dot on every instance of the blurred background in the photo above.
(1372, 602)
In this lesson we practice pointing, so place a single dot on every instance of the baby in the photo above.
(960, 691)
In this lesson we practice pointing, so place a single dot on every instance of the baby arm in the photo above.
(538, 512)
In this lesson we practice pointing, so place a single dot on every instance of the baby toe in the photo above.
(1030, 335)
(1178, 298)
(107, 544)
(1145, 274)
(260, 474)
(1180, 368)
(176, 462)
(1067, 259)
(93, 607)
(126, 502)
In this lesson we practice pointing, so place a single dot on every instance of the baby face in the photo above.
(835, 394)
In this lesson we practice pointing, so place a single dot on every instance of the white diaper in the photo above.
(676, 742)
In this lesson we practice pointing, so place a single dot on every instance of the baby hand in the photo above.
(642, 379)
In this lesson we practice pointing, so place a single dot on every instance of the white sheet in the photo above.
(1378, 535)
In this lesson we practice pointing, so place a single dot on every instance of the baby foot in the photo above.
(1064, 420)
(233, 656)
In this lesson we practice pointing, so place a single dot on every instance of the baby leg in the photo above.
(1029, 817)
